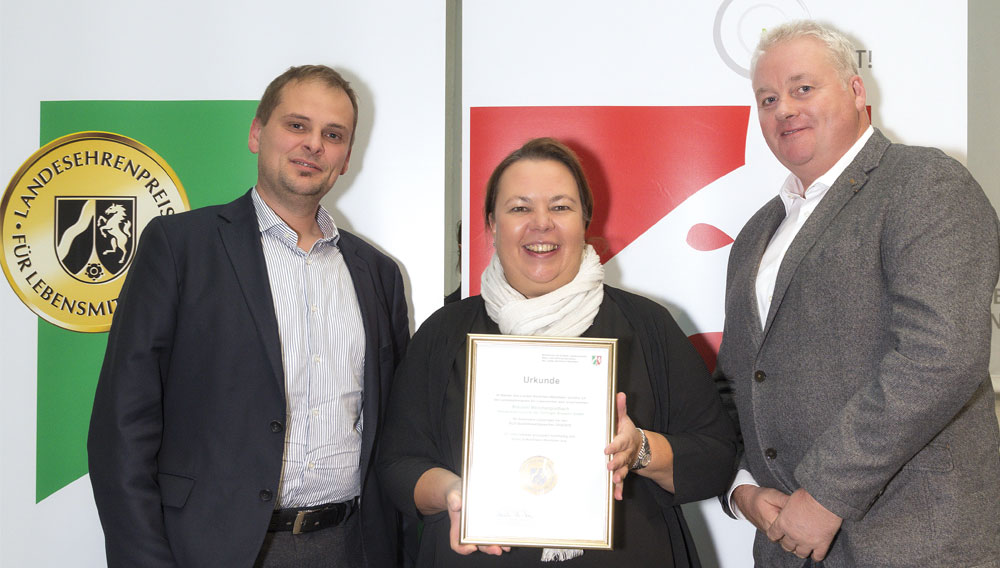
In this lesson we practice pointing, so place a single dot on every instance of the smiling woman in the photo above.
(544, 280)
(538, 226)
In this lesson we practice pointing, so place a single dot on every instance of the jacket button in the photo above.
(276, 426)
(770, 453)
(265, 495)
(759, 376)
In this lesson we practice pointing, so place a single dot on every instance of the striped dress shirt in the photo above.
(322, 352)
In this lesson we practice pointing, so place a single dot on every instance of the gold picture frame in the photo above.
(539, 412)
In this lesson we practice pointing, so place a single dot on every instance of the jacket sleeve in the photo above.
(399, 314)
(127, 420)
(699, 430)
(411, 441)
(724, 386)
(939, 250)
(689, 411)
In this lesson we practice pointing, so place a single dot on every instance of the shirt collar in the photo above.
(792, 188)
(267, 220)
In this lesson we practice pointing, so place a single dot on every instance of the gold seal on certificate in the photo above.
(539, 412)
(538, 475)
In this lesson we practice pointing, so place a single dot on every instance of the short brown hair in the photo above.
(542, 149)
(272, 94)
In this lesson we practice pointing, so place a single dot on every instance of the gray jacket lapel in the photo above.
(240, 234)
(849, 183)
(773, 215)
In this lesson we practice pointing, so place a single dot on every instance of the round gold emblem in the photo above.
(70, 219)
(538, 475)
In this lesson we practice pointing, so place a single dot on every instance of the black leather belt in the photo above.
(308, 519)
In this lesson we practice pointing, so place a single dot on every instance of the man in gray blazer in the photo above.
(857, 333)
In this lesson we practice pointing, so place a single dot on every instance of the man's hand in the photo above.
(760, 505)
(804, 527)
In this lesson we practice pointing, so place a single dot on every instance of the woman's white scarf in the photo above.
(565, 312)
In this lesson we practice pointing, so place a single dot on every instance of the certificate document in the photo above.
(539, 412)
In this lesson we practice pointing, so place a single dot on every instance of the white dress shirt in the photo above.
(799, 204)
(322, 353)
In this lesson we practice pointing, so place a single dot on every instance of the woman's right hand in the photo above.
(439, 489)
(453, 497)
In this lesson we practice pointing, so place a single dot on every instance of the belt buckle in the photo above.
(300, 517)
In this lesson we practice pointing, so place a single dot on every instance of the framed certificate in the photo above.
(539, 412)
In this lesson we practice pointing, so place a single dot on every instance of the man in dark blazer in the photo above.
(237, 415)
(857, 334)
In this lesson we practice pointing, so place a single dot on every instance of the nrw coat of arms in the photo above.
(94, 237)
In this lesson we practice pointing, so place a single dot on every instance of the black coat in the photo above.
(187, 433)
(668, 390)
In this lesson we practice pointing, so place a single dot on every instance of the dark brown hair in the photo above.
(542, 149)
(272, 94)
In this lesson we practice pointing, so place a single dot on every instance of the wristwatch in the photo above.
(644, 456)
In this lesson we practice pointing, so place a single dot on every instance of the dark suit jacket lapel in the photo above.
(364, 288)
(240, 234)
(843, 189)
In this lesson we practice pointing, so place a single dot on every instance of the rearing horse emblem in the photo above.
(117, 227)
(94, 236)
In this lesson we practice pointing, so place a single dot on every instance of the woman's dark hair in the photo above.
(542, 149)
